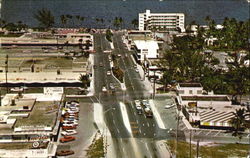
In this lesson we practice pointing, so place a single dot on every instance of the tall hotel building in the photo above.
(161, 21)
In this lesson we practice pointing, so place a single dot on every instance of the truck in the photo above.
(148, 112)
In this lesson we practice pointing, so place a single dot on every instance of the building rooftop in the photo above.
(146, 44)
(190, 85)
(205, 98)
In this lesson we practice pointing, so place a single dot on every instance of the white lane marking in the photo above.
(139, 130)
(153, 124)
(217, 134)
(118, 131)
(125, 117)
(208, 133)
(148, 124)
(144, 134)
(183, 128)
(199, 132)
(137, 121)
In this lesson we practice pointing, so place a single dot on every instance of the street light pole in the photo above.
(6, 73)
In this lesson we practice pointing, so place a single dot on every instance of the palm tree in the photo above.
(45, 18)
(64, 20)
(82, 19)
(70, 17)
(117, 22)
(2, 23)
(134, 22)
(238, 122)
(78, 18)
(85, 80)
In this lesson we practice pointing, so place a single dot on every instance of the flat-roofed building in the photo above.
(161, 21)
(29, 123)
(146, 49)
(189, 88)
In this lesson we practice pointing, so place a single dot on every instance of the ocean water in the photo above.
(24, 10)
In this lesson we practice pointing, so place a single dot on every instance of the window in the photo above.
(181, 91)
(199, 91)
(190, 91)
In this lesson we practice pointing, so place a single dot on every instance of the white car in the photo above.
(169, 106)
(104, 89)
(68, 122)
(137, 102)
(108, 73)
(16, 89)
(69, 132)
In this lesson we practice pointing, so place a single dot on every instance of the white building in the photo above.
(146, 49)
(189, 88)
(161, 21)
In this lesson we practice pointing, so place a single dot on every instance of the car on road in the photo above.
(138, 109)
(119, 55)
(101, 64)
(148, 112)
(169, 106)
(108, 73)
(94, 66)
(67, 139)
(104, 89)
(112, 86)
(137, 102)
(145, 103)
(69, 132)
(64, 152)
(107, 51)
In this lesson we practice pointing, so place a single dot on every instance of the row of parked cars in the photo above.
(143, 106)
(69, 123)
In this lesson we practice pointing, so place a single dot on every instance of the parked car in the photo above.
(67, 139)
(169, 106)
(68, 127)
(69, 132)
(64, 152)
(104, 89)
(108, 73)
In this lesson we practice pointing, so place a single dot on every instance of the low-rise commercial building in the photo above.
(161, 21)
(205, 111)
(29, 123)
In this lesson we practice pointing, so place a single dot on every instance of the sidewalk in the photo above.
(163, 150)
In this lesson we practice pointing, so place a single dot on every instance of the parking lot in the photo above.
(85, 131)
(168, 115)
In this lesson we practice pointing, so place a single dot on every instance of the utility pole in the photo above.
(6, 73)
(190, 146)
(176, 138)
(154, 87)
(197, 150)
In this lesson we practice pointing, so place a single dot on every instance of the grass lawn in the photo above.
(216, 151)
(96, 149)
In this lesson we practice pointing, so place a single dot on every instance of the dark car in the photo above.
(64, 152)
